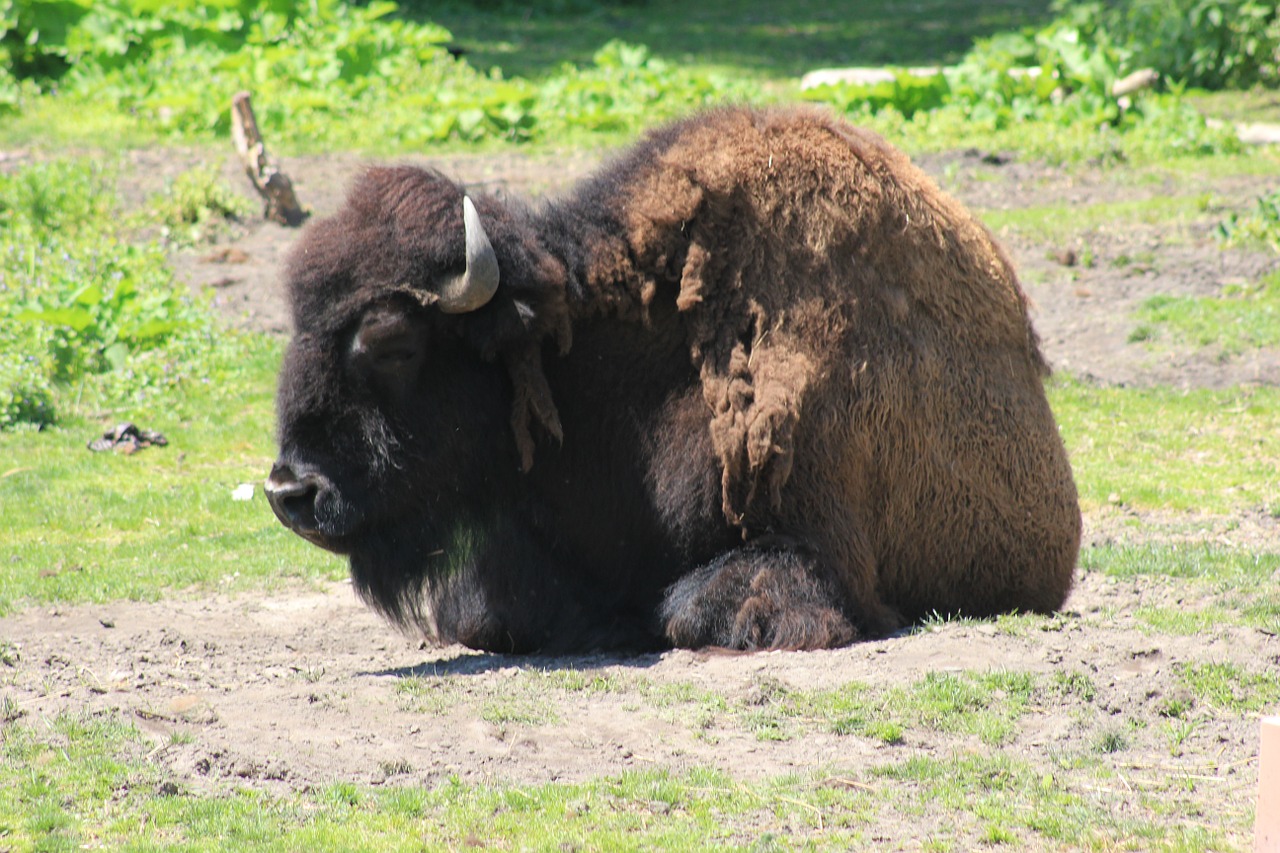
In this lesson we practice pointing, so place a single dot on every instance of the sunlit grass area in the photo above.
(1212, 451)
(83, 526)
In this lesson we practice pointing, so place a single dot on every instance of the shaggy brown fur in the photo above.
(863, 372)
(845, 312)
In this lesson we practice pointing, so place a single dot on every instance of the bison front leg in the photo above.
(757, 597)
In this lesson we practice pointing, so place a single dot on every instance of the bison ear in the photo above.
(479, 281)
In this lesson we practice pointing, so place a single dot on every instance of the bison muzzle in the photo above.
(758, 383)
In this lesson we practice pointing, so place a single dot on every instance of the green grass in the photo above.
(1255, 105)
(1230, 689)
(756, 38)
(1235, 586)
(1005, 798)
(527, 698)
(1183, 622)
(82, 526)
(986, 706)
(84, 780)
(1230, 568)
(1152, 204)
(1241, 318)
(1055, 222)
(1211, 451)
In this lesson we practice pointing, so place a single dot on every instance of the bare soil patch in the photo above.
(288, 692)
(305, 689)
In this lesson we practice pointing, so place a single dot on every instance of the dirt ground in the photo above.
(291, 691)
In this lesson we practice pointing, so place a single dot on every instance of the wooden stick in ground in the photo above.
(273, 185)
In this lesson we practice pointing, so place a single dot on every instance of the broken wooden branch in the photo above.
(1144, 78)
(281, 205)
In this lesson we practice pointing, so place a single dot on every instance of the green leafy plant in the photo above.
(907, 93)
(77, 300)
(1205, 43)
(1057, 77)
(1260, 226)
(194, 205)
(333, 74)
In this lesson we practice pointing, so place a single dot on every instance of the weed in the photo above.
(1141, 333)
(397, 767)
(1111, 741)
(1073, 683)
(310, 674)
(10, 710)
(996, 834)
(1239, 319)
(885, 731)
(1177, 731)
(935, 621)
(343, 794)
(194, 207)
(77, 303)
(1228, 688)
(766, 726)
(432, 695)
(519, 710)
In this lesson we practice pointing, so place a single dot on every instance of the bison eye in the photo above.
(389, 346)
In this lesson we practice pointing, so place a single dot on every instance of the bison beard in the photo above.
(757, 384)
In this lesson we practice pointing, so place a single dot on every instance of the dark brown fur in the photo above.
(815, 370)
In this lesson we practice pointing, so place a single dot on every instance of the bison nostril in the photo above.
(293, 498)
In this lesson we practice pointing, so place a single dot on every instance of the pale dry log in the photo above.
(1142, 79)
(281, 204)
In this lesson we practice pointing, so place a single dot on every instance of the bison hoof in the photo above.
(761, 625)
(755, 598)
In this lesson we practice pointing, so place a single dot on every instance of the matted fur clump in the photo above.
(759, 383)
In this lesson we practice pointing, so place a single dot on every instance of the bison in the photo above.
(758, 383)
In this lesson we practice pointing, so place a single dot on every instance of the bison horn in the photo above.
(477, 284)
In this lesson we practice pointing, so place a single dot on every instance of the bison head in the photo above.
(394, 408)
